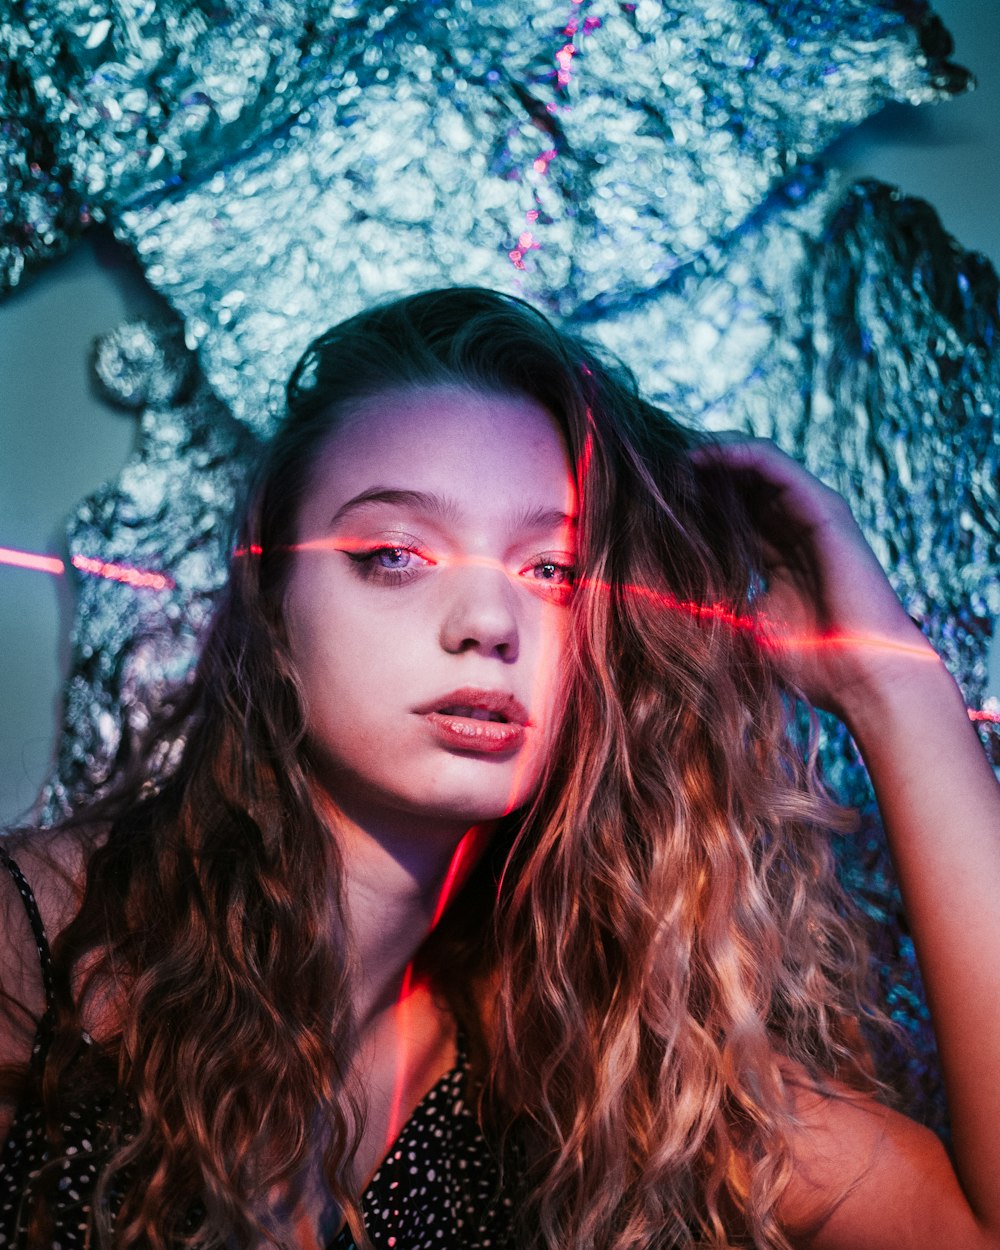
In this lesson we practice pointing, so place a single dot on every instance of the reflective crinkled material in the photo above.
(849, 327)
(577, 157)
(649, 127)
(647, 171)
(107, 100)
(166, 519)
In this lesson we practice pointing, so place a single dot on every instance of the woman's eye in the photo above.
(551, 573)
(389, 563)
(392, 557)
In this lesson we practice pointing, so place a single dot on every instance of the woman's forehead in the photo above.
(459, 445)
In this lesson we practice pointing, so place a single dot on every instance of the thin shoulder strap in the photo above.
(37, 925)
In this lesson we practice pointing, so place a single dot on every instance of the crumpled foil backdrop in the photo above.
(650, 172)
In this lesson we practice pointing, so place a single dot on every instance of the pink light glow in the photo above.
(542, 161)
(563, 75)
(564, 59)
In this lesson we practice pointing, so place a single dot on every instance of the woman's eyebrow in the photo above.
(422, 501)
(535, 519)
(540, 518)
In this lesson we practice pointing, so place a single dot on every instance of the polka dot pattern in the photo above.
(438, 1187)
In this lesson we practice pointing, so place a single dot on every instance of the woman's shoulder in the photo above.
(53, 864)
(39, 896)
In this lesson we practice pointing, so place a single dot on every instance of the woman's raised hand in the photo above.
(839, 627)
(846, 642)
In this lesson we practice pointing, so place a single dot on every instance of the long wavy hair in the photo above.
(659, 931)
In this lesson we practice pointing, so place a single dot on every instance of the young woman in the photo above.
(476, 893)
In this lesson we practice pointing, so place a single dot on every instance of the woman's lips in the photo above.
(467, 733)
(476, 719)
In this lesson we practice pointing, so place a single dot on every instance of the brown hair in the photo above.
(663, 923)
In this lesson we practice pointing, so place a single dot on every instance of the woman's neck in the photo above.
(398, 876)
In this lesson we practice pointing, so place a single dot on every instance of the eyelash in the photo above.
(568, 572)
(369, 568)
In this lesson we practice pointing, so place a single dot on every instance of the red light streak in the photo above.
(463, 859)
(586, 456)
(27, 560)
(141, 579)
(395, 1122)
(875, 642)
(757, 626)
(700, 611)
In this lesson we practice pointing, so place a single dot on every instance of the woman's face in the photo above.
(427, 610)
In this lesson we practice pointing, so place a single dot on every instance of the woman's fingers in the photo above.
(829, 605)
(776, 488)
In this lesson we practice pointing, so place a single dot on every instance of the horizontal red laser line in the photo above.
(28, 560)
(700, 611)
(144, 580)
(139, 578)
(108, 569)
(748, 624)
(874, 641)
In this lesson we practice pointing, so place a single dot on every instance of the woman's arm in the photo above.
(846, 641)
(940, 805)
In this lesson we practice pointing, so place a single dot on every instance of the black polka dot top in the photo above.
(439, 1185)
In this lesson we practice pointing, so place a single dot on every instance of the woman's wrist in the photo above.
(901, 694)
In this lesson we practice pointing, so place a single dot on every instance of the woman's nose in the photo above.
(480, 614)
